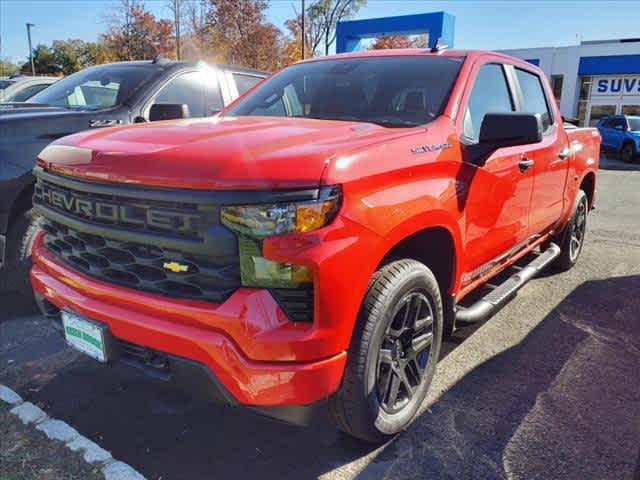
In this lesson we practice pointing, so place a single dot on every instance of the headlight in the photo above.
(253, 223)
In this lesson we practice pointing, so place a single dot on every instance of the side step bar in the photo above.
(497, 298)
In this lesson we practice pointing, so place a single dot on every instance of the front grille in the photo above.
(165, 241)
(141, 266)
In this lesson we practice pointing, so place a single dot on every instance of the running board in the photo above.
(498, 297)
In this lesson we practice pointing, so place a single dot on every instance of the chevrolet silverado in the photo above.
(312, 245)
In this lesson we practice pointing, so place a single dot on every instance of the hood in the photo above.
(12, 111)
(218, 153)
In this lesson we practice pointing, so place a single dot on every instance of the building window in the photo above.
(585, 93)
(556, 85)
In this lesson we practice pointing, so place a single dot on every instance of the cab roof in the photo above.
(470, 55)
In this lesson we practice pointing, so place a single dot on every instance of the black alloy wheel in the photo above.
(405, 352)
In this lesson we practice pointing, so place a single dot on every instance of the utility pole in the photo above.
(33, 68)
(303, 33)
(177, 18)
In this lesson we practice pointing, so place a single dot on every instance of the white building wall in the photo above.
(566, 60)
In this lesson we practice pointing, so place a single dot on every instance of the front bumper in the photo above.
(217, 337)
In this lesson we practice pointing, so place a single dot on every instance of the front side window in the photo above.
(490, 94)
(402, 91)
(187, 89)
(96, 87)
(534, 99)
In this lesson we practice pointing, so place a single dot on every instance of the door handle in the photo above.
(525, 164)
(564, 154)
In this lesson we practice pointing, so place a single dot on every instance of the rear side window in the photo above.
(533, 97)
(605, 123)
(245, 82)
(490, 94)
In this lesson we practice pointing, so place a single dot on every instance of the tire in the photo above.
(386, 358)
(14, 277)
(628, 153)
(571, 240)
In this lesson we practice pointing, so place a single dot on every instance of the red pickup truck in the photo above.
(316, 240)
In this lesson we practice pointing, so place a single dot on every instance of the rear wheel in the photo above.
(628, 152)
(572, 238)
(393, 353)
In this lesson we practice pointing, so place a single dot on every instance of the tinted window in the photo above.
(490, 94)
(606, 123)
(97, 87)
(619, 123)
(245, 82)
(533, 96)
(188, 89)
(26, 93)
(391, 91)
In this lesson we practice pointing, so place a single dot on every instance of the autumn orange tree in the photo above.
(134, 33)
(399, 41)
(391, 41)
(237, 31)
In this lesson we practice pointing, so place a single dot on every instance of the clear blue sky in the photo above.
(485, 24)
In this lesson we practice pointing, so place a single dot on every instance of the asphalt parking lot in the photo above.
(548, 388)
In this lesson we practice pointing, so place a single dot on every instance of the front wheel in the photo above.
(393, 354)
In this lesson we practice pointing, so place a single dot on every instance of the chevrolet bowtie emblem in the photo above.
(175, 267)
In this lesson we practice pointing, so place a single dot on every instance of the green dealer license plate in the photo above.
(85, 335)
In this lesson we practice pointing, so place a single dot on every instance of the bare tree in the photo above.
(181, 10)
(329, 12)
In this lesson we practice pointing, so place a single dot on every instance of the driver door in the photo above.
(498, 194)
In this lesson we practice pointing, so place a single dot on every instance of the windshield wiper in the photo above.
(393, 123)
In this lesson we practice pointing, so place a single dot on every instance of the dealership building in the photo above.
(593, 79)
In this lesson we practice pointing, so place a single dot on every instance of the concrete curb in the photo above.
(61, 431)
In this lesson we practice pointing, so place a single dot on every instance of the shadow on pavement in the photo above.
(566, 392)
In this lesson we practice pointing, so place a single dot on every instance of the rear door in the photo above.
(550, 160)
(497, 202)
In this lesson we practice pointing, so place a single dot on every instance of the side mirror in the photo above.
(168, 111)
(500, 130)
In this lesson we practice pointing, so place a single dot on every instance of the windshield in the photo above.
(397, 91)
(96, 87)
(634, 123)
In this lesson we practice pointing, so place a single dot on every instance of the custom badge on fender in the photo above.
(430, 148)
(175, 267)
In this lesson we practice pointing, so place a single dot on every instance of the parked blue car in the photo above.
(621, 133)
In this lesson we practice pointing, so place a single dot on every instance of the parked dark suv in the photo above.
(97, 97)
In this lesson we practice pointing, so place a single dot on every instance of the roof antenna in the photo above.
(439, 46)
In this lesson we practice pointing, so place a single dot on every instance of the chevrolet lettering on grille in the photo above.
(105, 211)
